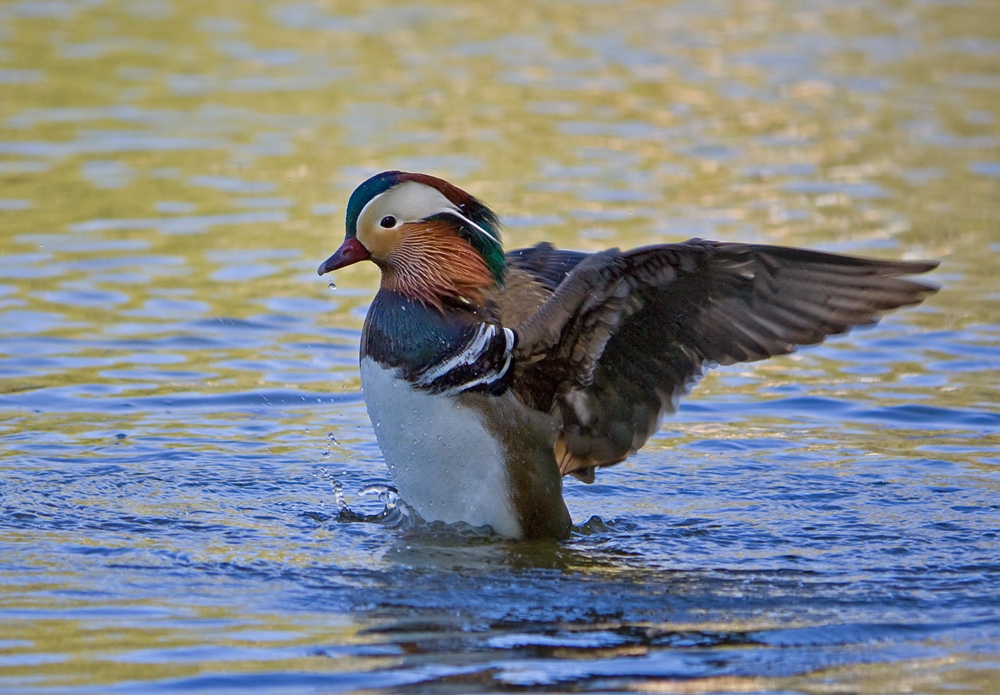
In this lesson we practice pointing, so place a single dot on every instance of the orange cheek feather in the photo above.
(429, 263)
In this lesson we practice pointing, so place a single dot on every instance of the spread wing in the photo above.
(624, 334)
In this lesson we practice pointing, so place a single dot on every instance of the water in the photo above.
(191, 497)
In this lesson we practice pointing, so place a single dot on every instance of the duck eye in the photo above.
(388, 221)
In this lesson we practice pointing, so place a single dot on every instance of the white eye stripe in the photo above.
(412, 201)
(456, 213)
(364, 210)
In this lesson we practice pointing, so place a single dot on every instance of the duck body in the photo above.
(490, 376)
(436, 390)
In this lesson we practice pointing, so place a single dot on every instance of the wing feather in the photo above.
(622, 335)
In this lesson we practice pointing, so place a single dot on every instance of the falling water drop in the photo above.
(333, 285)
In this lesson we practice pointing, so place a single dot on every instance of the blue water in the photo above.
(191, 496)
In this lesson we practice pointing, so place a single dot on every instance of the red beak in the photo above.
(350, 252)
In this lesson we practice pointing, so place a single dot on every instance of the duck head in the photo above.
(433, 242)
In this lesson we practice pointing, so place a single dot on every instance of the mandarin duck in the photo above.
(490, 376)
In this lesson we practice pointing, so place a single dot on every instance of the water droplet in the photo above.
(332, 285)
(338, 495)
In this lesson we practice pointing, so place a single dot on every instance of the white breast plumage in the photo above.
(445, 463)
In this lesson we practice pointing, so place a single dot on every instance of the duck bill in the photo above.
(350, 252)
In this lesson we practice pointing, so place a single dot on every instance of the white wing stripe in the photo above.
(468, 356)
(485, 379)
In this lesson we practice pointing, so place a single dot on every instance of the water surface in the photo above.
(180, 412)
